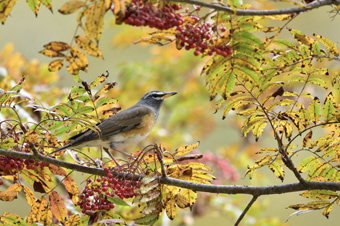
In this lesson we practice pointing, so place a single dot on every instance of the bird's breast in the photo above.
(136, 134)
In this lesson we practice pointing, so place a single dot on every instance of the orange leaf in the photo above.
(11, 193)
(71, 188)
(71, 7)
(89, 46)
(57, 170)
(56, 65)
(58, 207)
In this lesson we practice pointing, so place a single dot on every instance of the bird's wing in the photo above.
(123, 121)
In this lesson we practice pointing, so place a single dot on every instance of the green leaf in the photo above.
(314, 109)
(34, 5)
(319, 194)
(231, 104)
(307, 163)
(328, 108)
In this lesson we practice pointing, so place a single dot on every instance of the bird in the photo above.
(125, 128)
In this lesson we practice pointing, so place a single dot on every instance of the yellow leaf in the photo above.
(170, 208)
(57, 46)
(119, 10)
(94, 21)
(30, 197)
(73, 220)
(71, 6)
(88, 46)
(56, 65)
(186, 149)
(78, 61)
(39, 211)
(6, 8)
(186, 198)
(307, 138)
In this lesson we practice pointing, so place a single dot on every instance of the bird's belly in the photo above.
(123, 140)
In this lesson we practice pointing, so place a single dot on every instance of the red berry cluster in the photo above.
(202, 37)
(8, 164)
(139, 13)
(199, 37)
(94, 196)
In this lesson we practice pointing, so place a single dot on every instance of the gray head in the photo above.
(154, 100)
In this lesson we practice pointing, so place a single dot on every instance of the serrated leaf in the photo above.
(56, 65)
(267, 150)
(319, 194)
(47, 4)
(329, 44)
(170, 207)
(302, 38)
(51, 53)
(185, 149)
(40, 212)
(78, 61)
(73, 220)
(57, 46)
(327, 210)
(6, 9)
(306, 140)
(71, 188)
(314, 109)
(94, 21)
(58, 207)
(71, 7)
(88, 46)
(230, 105)
(34, 5)
(278, 170)
(12, 219)
(328, 108)
(307, 163)
(186, 198)
(318, 81)
(11, 193)
(30, 197)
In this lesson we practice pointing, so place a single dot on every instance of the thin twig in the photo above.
(293, 10)
(245, 210)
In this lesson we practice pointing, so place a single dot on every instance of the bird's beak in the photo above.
(169, 94)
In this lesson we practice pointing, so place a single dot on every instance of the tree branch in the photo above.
(293, 10)
(224, 189)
